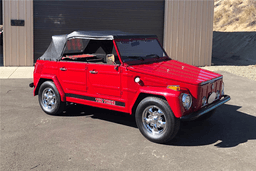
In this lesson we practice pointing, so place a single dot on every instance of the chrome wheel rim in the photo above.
(154, 120)
(48, 99)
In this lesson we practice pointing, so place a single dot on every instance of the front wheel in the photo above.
(156, 121)
(49, 98)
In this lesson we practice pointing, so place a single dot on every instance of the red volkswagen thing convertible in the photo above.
(129, 73)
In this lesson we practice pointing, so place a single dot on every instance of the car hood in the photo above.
(175, 70)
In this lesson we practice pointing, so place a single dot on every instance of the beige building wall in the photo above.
(18, 40)
(188, 30)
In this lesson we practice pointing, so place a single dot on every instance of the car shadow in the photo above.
(98, 113)
(228, 127)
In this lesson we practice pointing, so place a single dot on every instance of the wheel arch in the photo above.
(143, 96)
(171, 96)
(40, 82)
(54, 79)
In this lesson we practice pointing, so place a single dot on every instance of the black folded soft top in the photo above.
(57, 45)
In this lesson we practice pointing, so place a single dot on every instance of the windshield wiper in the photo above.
(136, 57)
(153, 56)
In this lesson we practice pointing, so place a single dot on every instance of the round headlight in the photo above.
(204, 101)
(222, 89)
(186, 101)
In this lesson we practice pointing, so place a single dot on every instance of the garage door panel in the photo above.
(63, 17)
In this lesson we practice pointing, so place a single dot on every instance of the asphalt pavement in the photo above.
(86, 138)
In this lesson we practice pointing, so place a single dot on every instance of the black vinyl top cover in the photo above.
(54, 51)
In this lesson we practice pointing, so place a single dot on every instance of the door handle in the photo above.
(93, 72)
(63, 69)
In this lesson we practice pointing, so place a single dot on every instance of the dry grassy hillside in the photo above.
(234, 15)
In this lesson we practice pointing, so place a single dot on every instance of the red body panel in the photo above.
(113, 86)
(176, 71)
(117, 83)
(72, 76)
(106, 81)
(48, 70)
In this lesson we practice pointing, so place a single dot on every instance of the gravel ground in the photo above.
(244, 71)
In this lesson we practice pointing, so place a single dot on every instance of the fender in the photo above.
(172, 97)
(56, 82)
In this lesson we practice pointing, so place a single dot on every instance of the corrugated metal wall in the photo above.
(18, 40)
(188, 30)
(1, 13)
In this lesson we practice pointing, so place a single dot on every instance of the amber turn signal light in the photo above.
(174, 87)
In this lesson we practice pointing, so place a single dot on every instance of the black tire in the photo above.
(157, 112)
(49, 98)
(206, 116)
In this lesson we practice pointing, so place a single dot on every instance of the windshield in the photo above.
(131, 50)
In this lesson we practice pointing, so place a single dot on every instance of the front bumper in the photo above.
(205, 110)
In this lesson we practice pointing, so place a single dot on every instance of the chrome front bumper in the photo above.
(205, 110)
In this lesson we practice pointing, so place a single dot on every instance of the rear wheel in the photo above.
(156, 121)
(49, 98)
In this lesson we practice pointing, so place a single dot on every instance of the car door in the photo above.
(73, 76)
(104, 79)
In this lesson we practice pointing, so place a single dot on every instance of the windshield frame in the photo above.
(139, 61)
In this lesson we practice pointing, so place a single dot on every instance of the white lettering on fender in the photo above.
(111, 102)
(106, 101)
(99, 100)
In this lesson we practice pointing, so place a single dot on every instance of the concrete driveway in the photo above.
(86, 138)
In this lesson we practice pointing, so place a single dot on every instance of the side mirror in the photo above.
(116, 66)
